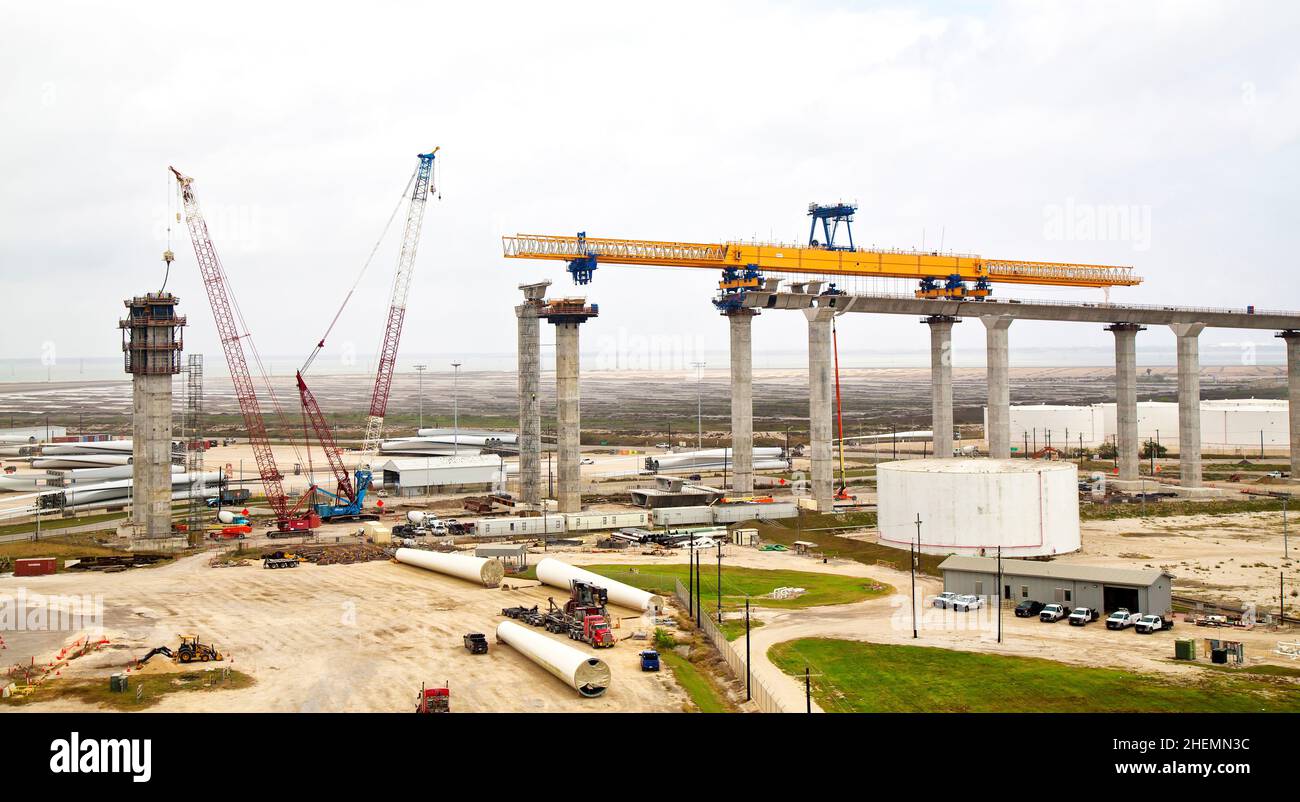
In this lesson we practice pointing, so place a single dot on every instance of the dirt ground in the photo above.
(334, 638)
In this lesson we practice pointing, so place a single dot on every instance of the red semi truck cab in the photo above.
(596, 631)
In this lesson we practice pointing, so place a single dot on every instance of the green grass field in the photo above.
(857, 677)
(737, 583)
(156, 686)
(60, 546)
(821, 529)
(51, 523)
(705, 697)
(1165, 509)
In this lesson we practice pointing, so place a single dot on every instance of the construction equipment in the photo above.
(842, 492)
(191, 650)
(348, 500)
(165, 651)
(747, 265)
(281, 559)
(434, 700)
(224, 312)
(397, 307)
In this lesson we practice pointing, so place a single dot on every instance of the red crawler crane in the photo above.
(287, 519)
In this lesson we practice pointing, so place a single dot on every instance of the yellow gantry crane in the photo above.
(744, 264)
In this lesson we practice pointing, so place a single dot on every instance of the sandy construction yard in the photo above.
(334, 638)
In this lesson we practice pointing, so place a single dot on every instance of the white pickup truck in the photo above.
(1053, 613)
(1082, 615)
(1122, 619)
(1152, 623)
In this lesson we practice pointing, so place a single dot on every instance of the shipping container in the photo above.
(34, 566)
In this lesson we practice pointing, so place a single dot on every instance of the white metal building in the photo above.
(1232, 426)
(422, 476)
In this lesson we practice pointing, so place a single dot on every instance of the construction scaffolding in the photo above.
(191, 435)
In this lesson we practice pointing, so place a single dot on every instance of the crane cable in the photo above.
(320, 345)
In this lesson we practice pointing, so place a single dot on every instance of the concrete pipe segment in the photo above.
(558, 574)
(473, 569)
(587, 675)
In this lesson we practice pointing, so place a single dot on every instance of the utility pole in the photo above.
(691, 589)
(999, 592)
(748, 694)
(455, 409)
(807, 689)
(912, 565)
(699, 605)
(699, 406)
(1286, 550)
(419, 369)
(719, 582)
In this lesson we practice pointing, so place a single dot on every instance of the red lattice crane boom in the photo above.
(223, 311)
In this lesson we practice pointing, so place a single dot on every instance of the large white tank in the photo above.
(972, 506)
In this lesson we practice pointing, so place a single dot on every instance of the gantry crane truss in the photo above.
(744, 264)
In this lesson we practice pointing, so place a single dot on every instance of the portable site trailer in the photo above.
(507, 527)
(677, 516)
(594, 521)
(734, 513)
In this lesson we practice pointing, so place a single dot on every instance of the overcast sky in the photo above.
(997, 129)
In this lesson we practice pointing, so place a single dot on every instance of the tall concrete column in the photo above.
(999, 385)
(820, 396)
(1126, 418)
(152, 346)
(941, 422)
(530, 406)
(567, 316)
(1189, 402)
(1292, 340)
(742, 398)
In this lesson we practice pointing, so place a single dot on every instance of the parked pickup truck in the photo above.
(1082, 615)
(476, 643)
(1052, 613)
(964, 604)
(1122, 619)
(1029, 608)
(1152, 623)
(944, 599)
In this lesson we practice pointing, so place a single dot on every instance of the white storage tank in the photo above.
(972, 506)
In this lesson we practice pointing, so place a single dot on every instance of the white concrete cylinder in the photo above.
(973, 506)
(558, 574)
(587, 675)
(487, 571)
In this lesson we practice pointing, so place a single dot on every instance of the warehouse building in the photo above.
(425, 476)
(1144, 590)
(1234, 426)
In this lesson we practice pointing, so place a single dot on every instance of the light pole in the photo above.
(419, 369)
(699, 407)
(912, 566)
(455, 409)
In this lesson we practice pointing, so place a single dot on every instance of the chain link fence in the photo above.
(763, 698)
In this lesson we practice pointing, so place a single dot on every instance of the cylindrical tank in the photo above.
(227, 516)
(973, 506)
(587, 675)
(558, 574)
(420, 517)
(488, 571)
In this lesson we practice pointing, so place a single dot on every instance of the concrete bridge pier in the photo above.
(742, 398)
(941, 423)
(1126, 422)
(999, 385)
(820, 397)
(1292, 340)
(1189, 408)
(530, 407)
